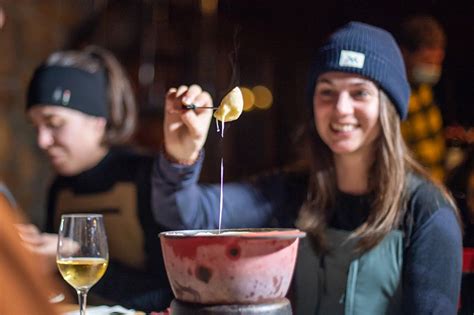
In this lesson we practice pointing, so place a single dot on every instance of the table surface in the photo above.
(65, 307)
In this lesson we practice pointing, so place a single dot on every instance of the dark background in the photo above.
(241, 42)
(268, 43)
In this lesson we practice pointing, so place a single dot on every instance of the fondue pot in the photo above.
(238, 266)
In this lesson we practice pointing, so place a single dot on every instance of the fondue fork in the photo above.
(193, 106)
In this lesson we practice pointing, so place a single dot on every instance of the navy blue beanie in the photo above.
(369, 51)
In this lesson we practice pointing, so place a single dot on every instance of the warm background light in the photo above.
(249, 98)
(263, 97)
(209, 7)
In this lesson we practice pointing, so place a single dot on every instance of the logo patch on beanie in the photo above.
(351, 59)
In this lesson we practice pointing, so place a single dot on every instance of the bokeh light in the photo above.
(209, 7)
(249, 98)
(263, 97)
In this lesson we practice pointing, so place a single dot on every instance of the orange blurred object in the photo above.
(24, 288)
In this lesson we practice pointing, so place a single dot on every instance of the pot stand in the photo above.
(278, 307)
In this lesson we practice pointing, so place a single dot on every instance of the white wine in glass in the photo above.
(82, 255)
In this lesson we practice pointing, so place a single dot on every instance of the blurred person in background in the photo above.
(83, 109)
(422, 41)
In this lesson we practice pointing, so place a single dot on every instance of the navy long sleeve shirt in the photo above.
(432, 254)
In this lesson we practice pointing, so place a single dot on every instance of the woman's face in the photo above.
(346, 112)
(70, 138)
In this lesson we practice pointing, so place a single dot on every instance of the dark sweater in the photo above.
(431, 272)
(119, 188)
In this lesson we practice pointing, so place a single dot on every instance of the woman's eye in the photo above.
(55, 124)
(325, 92)
(361, 94)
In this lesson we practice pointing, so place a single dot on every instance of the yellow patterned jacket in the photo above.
(423, 131)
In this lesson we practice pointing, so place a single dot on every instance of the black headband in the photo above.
(69, 87)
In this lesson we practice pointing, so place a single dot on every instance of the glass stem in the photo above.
(82, 297)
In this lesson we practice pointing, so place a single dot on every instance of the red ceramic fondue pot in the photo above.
(238, 266)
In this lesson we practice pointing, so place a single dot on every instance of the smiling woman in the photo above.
(346, 111)
(71, 139)
(376, 221)
(83, 109)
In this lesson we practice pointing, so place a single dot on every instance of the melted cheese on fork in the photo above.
(231, 106)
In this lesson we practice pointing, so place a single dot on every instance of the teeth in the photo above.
(343, 127)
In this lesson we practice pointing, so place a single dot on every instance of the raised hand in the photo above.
(185, 131)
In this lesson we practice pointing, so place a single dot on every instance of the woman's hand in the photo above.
(43, 245)
(185, 131)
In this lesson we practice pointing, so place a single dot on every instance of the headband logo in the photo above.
(351, 59)
(57, 94)
(61, 97)
(66, 97)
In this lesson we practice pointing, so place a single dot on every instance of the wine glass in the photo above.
(82, 255)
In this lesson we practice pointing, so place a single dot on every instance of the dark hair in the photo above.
(120, 97)
(388, 183)
(421, 31)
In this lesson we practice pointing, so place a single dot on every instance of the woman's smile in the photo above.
(343, 128)
(346, 112)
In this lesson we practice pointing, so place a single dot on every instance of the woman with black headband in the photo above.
(82, 107)
(383, 237)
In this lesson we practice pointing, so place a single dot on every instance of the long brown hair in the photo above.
(120, 97)
(387, 183)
